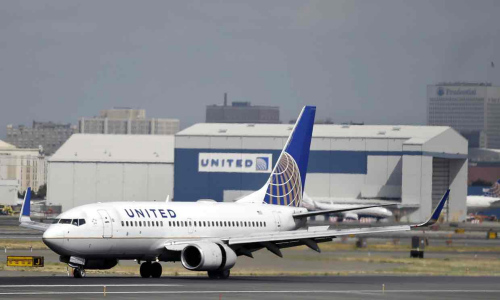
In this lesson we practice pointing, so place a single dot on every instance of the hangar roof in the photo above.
(417, 134)
(116, 148)
(4, 145)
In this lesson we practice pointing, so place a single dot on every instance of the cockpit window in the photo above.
(75, 222)
(55, 221)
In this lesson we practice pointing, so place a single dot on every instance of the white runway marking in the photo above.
(257, 292)
(84, 285)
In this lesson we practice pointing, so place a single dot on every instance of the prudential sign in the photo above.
(235, 162)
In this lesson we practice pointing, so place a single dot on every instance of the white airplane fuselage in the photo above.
(138, 230)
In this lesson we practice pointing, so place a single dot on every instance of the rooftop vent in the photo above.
(345, 126)
(396, 128)
(222, 130)
(250, 125)
(381, 132)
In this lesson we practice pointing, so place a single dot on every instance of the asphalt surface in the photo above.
(321, 287)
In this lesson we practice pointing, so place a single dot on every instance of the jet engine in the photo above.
(208, 257)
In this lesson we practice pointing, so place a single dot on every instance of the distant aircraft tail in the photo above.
(495, 189)
(24, 216)
(286, 183)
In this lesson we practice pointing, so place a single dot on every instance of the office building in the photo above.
(473, 109)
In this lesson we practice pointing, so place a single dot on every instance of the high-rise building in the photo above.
(47, 135)
(127, 121)
(242, 112)
(473, 109)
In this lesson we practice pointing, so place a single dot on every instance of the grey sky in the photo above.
(356, 60)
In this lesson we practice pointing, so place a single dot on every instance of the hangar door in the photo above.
(440, 179)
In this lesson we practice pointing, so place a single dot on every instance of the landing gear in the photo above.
(156, 270)
(145, 270)
(79, 272)
(219, 274)
(149, 269)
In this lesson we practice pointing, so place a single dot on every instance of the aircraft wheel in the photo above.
(224, 274)
(79, 273)
(145, 270)
(156, 270)
(219, 274)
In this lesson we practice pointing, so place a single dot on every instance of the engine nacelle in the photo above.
(208, 257)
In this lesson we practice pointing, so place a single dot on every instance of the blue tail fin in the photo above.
(286, 184)
(26, 208)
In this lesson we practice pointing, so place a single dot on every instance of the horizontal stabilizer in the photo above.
(334, 211)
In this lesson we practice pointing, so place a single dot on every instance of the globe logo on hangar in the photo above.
(440, 91)
(262, 164)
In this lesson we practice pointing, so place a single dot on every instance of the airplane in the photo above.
(204, 236)
(490, 198)
(378, 212)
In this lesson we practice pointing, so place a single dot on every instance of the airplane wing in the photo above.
(274, 241)
(24, 216)
(333, 211)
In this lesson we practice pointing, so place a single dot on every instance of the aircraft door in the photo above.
(107, 230)
(277, 220)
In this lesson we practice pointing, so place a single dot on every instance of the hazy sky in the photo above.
(356, 60)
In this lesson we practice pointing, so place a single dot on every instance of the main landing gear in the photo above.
(219, 274)
(149, 269)
(79, 272)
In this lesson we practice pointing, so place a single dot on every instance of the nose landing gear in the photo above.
(149, 269)
(79, 272)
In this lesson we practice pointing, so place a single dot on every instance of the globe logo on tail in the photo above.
(285, 186)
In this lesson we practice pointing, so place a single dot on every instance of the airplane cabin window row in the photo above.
(142, 223)
(195, 223)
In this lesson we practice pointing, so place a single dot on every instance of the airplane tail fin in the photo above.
(24, 216)
(495, 189)
(286, 183)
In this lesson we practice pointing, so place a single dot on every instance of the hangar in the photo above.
(413, 165)
(91, 168)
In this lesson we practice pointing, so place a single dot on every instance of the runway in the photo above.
(296, 287)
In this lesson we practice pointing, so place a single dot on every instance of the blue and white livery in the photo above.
(205, 235)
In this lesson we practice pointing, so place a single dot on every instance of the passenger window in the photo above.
(135, 223)
(213, 223)
(204, 224)
(245, 223)
(161, 223)
(170, 223)
(140, 224)
(123, 224)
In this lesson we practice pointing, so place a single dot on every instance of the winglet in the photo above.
(437, 212)
(26, 208)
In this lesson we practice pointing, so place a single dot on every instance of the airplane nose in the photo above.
(53, 238)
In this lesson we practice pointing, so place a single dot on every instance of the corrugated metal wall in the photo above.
(73, 184)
